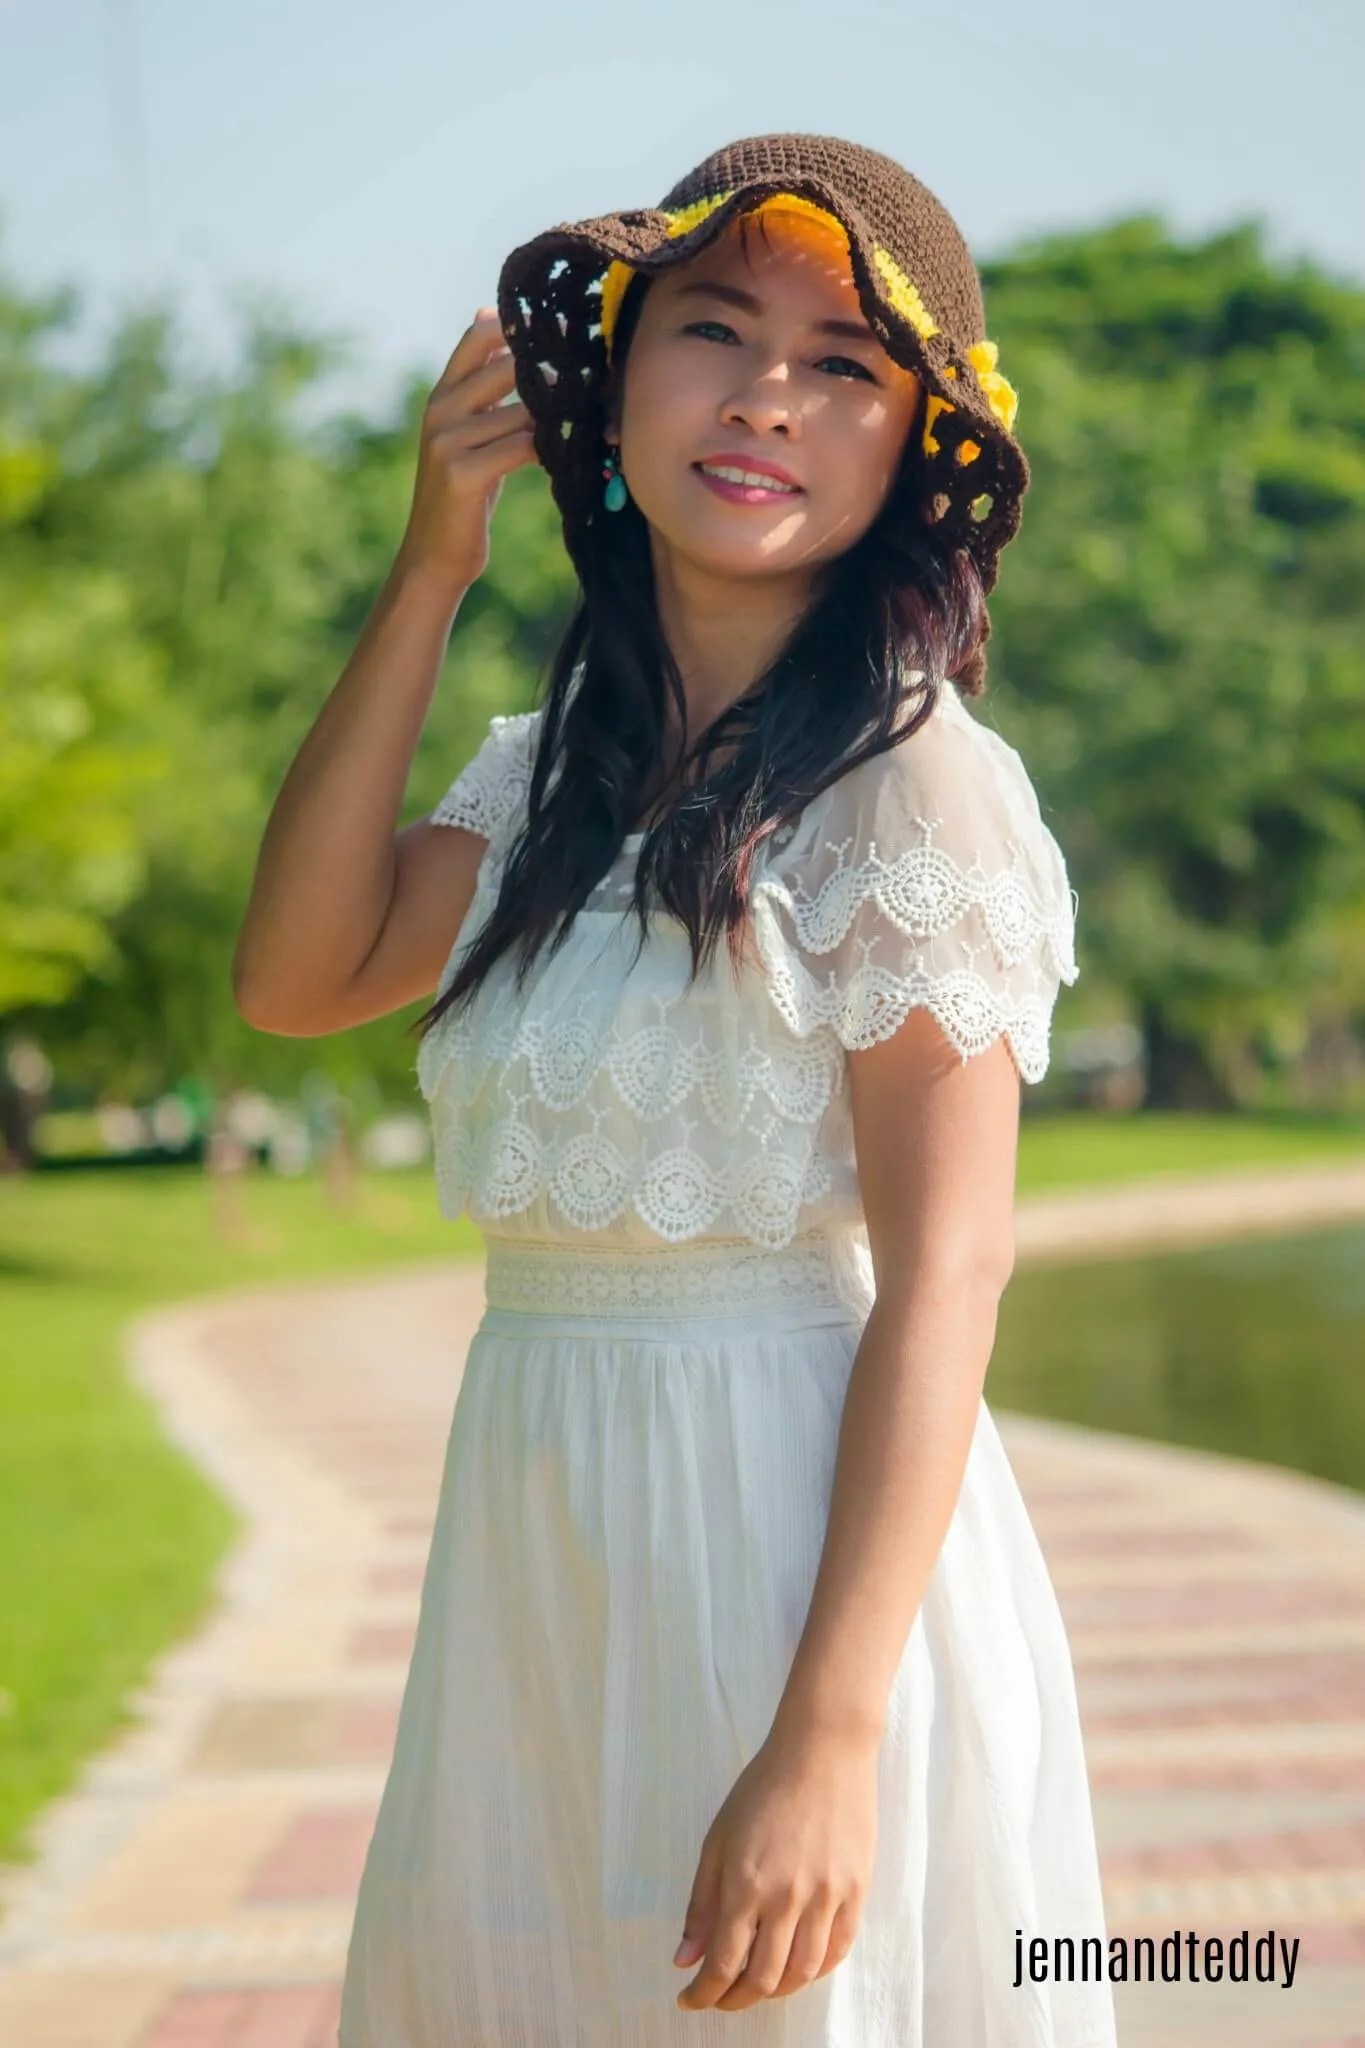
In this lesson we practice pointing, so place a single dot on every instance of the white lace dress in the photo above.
(639, 1468)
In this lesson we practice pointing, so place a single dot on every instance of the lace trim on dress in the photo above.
(501, 1169)
(653, 1068)
(712, 1279)
(768, 1105)
(488, 791)
(924, 894)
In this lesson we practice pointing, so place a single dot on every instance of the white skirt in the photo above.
(631, 1519)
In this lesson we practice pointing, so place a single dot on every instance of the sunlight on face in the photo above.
(757, 358)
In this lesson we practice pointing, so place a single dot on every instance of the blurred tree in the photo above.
(80, 744)
(1179, 631)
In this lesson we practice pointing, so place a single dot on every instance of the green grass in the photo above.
(1073, 1149)
(109, 1537)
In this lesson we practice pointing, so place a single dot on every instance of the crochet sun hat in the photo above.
(559, 296)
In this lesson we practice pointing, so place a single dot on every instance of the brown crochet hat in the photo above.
(558, 297)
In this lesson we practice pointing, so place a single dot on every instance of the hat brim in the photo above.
(550, 304)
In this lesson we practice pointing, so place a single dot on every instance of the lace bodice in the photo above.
(609, 1097)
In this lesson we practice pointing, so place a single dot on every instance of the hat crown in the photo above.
(901, 212)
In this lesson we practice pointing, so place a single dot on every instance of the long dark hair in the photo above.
(833, 696)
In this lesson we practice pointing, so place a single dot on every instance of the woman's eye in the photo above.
(707, 328)
(858, 369)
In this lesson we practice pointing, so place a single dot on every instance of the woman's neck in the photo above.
(721, 631)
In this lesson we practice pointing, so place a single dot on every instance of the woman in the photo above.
(734, 1624)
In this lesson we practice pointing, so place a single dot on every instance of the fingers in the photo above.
(480, 339)
(780, 1954)
(482, 467)
(474, 433)
(481, 386)
(809, 1954)
(722, 1964)
(472, 406)
(476, 430)
(767, 1967)
(842, 1935)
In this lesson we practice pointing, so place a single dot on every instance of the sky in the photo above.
(365, 168)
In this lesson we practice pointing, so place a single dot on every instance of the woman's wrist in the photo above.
(809, 1722)
(427, 582)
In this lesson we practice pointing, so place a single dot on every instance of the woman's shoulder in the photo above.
(954, 782)
(945, 819)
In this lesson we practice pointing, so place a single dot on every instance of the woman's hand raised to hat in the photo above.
(470, 441)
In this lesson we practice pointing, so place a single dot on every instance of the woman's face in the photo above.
(754, 359)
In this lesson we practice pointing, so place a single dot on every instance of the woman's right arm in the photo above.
(349, 918)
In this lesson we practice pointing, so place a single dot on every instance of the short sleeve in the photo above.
(923, 878)
(487, 793)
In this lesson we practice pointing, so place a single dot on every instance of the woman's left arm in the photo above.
(936, 1140)
(785, 1865)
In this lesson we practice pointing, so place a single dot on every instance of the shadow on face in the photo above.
(761, 423)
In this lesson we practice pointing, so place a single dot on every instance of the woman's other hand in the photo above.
(783, 1873)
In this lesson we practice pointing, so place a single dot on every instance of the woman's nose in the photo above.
(767, 403)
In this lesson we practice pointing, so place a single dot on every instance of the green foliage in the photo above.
(185, 563)
(79, 740)
(1179, 631)
(80, 752)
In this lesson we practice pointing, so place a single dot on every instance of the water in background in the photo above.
(1255, 1348)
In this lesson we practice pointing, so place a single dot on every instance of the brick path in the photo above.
(196, 1891)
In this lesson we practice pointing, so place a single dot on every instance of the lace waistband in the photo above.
(815, 1278)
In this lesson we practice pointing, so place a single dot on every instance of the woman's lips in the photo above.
(739, 492)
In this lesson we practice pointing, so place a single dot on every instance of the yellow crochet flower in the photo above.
(1001, 395)
(933, 406)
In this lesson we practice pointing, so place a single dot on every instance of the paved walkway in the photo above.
(196, 1892)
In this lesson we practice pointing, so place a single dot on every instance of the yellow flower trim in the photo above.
(903, 294)
(614, 285)
(934, 405)
(792, 202)
(682, 221)
(685, 218)
(1001, 395)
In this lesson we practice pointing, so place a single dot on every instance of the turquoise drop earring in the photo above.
(615, 495)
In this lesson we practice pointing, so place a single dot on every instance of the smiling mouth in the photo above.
(735, 480)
